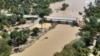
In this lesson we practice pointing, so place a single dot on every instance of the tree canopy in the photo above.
(19, 37)
(5, 49)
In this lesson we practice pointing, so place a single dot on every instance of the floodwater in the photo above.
(75, 6)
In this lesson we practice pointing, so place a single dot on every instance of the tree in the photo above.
(12, 20)
(91, 26)
(79, 43)
(22, 21)
(19, 37)
(69, 50)
(1, 26)
(5, 35)
(98, 44)
(87, 38)
(95, 52)
(2, 4)
(80, 13)
(74, 23)
(42, 12)
(41, 22)
(35, 31)
(64, 6)
(5, 49)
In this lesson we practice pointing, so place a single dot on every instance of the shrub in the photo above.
(64, 6)
(5, 49)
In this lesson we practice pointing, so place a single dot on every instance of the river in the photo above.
(75, 6)
(59, 36)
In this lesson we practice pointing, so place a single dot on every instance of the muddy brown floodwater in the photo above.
(60, 35)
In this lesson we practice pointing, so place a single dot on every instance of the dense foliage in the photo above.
(64, 6)
(11, 21)
(94, 25)
(5, 49)
(18, 37)
(24, 6)
(35, 31)
(74, 49)
(92, 11)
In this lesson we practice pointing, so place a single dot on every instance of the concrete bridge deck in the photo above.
(48, 17)
(25, 16)
(53, 18)
(58, 18)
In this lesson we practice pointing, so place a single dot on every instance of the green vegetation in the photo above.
(95, 52)
(35, 31)
(5, 35)
(64, 6)
(11, 21)
(80, 13)
(92, 11)
(18, 37)
(24, 6)
(41, 22)
(74, 49)
(19, 8)
(5, 49)
(74, 23)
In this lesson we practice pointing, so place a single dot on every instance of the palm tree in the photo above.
(41, 22)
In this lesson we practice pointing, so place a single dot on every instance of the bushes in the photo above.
(18, 37)
(80, 13)
(5, 49)
(5, 35)
(11, 21)
(98, 44)
(24, 8)
(67, 51)
(35, 31)
(64, 6)
(74, 23)
(79, 43)
(77, 48)
(95, 52)
(44, 11)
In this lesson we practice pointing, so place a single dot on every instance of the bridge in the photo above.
(62, 19)
(25, 16)
(53, 18)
